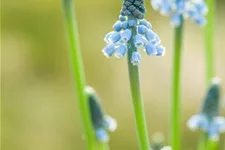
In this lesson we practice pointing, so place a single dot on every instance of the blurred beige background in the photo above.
(39, 109)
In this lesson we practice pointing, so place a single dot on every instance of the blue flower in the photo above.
(121, 50)
(136, 58)
(208, 120)
(132, 30)
(102, 123)
(195, 10)
(102, 135)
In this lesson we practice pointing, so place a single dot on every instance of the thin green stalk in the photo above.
(209, 30)
(203, 141)
(176, 89)
(213, 145)
(79, 77)
(138, 107)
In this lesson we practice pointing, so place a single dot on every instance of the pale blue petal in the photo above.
(136, 58)
(117, 26)
(139, 41)
(120, 51)
(142, 29)
(150, 35)
(150, 49)
(126, 35)
(160, 50)
(145, 23)
(175, 20)
(109, 50)
(102, 135)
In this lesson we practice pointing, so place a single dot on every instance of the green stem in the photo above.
(176, 74)
(78, 74)
(203, 142)
(209, 30)
(138, 107)
(213, 145)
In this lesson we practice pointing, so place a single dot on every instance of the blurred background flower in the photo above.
(39, 107)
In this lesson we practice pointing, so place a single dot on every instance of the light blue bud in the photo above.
(196, 122)
(156, 41)
(114, 37)
(102, 135)
(192, 13)
(180, 7)
(110, 123)
(132, 23)
(135, 58)
(202, 8)
(125, 35)
(117, 26)
(201, 20)
(166, 9)
(160, 50)
(120, 51)
(139, 41)
(125, 25)
(150, 49)
(109, 50)
(106, 39)
(175, 20)
(146, 23)
(150, 35)
(142, 29)
(156, 4)
(122, 18)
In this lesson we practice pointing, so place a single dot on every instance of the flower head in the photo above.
(208, 119)
(102, 123)
(195, 10)
(131, 30)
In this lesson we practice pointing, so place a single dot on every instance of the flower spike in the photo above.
(131, 25)
(195, 10)
(102, 123)
(208, 119)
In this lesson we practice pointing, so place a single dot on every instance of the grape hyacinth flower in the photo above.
(208, 119)
(195, 10)
(132, 29)
(102, 123)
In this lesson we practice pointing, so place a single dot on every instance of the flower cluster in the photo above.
(195, 10)
(101, 122)
(132, 31)
(208, 119)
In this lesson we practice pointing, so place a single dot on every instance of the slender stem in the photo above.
(176, 89)
(203, 141)
(209, 30)
(137, 101)
(213, 145)
(78, 74)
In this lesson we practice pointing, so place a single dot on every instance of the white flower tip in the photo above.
(166, 148)
(112, 124)
(220, 121)
(89, 90)
(216, 81)
(192, 123)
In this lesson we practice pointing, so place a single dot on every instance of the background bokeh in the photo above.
(39, 108)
